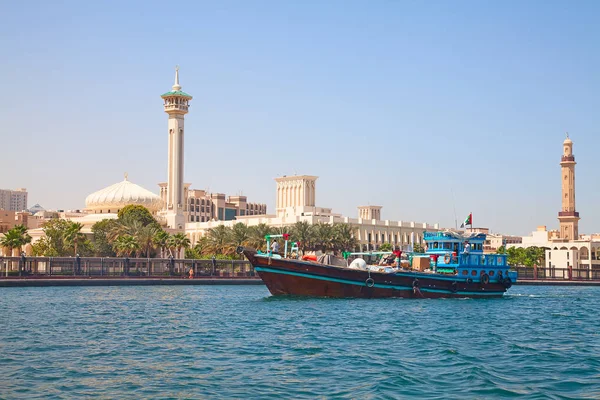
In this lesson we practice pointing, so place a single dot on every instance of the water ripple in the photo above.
(239, 342)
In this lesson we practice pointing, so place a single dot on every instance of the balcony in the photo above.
(568, 214)
(568, 158)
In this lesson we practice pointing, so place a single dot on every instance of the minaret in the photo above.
(568, 217)
(176, 105)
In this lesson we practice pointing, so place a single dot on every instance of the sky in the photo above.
(431, 109)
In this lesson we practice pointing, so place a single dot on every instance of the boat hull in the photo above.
(300, 278)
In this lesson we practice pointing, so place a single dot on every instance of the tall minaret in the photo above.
(568, 217)
(176, 105)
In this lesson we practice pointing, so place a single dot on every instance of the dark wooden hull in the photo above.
(303, 278)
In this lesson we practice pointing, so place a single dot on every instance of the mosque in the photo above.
(181, 209)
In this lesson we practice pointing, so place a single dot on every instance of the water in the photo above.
(237, 342)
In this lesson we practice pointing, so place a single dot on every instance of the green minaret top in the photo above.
(177, 88)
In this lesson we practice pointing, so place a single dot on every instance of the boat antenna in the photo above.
(454, 206)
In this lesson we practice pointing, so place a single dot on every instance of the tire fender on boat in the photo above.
(370, 282)
(415, 283)
(485, 279)
(469, 280)
(453, 287)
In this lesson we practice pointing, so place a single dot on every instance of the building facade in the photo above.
(296, 202)
(13, 200)
(205, 207)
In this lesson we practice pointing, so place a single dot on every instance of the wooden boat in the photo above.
(443, 271)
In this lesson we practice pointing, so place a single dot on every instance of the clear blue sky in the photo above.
(394, 103)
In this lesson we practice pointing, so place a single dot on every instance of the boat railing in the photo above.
(483, 260)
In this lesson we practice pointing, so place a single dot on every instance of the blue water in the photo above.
(238, 342)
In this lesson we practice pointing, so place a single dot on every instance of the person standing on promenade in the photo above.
(191, 273)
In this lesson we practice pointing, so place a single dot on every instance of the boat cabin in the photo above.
(462, 254)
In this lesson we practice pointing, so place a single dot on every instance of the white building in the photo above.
(295, 202)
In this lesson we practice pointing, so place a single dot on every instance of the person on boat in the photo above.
(275, 247)
(397, 255)
(191, 273)
(467, 248)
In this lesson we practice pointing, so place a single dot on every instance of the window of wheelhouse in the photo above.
(455, 247)
(435, 245)
(447, 246)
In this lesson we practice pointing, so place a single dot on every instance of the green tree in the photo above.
(73, 236)
(219, 240)
(126, 245)
(145, 237)
(101, 232)
(161, 241)
(15, 238)
(257, 235)
(385, 247)
(43, 247)
(179, 241)
(323, 234)
(501, 250)
(54, 231)
(417, 248)
(136, 213)
(344, 237)
(240, 234)
(303, 233)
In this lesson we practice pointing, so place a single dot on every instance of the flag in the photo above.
(468, 220)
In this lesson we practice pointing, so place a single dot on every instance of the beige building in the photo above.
(295, 202)
(204, 207)
(10, 219)
(494, 241)
(369, 212)
(13, 200)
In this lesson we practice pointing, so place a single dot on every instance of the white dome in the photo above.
(121, 194)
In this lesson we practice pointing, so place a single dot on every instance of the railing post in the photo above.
(22, 264)
(77, 269)
(102, 266)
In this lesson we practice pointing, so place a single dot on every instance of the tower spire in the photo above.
(176, 86)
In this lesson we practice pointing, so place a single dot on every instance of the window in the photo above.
(369, 238)
(567, 255)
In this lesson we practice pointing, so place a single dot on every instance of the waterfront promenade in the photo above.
(109, 271)
(96, 271)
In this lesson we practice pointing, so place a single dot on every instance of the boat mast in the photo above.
(454, 206)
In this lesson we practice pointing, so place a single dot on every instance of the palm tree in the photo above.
(257, 235)
(200, 249)
(219, 240)
(145, 237)
(73, 235)
(15, 238)
(303, 232)
(126, 245)
(179, 241)
(239, 235)
(323, 234)
(161, 239)
(344, 237)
